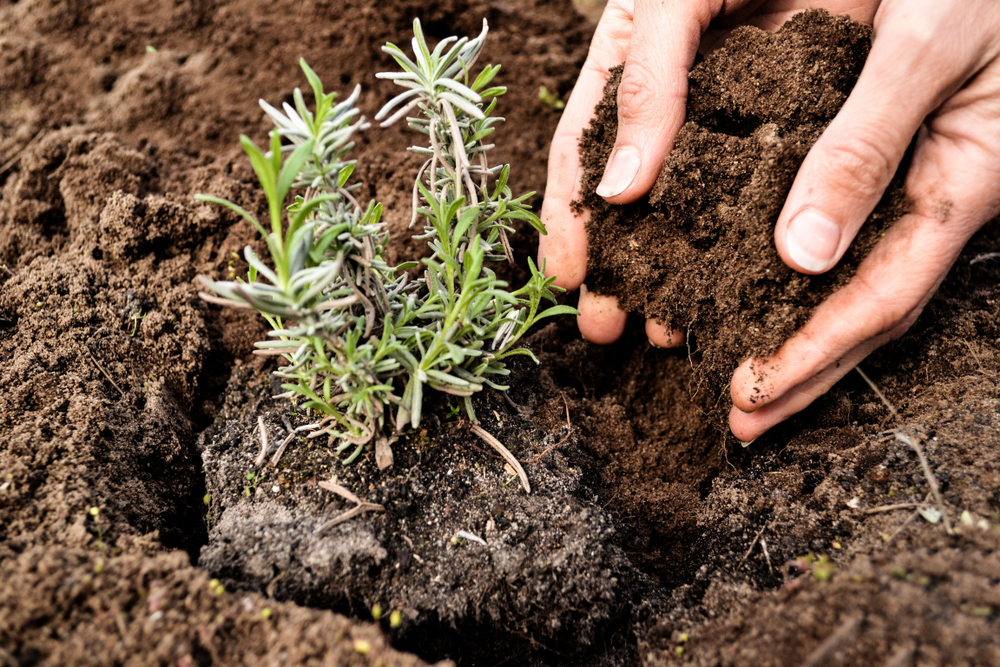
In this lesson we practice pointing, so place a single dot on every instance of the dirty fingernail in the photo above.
(620, 172)
(812, 240)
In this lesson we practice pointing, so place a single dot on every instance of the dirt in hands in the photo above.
(698, 252)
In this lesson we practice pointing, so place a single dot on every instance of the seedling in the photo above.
(361, 339)
(252, 480)
(136, 318)
(95, 512)
(550, 99)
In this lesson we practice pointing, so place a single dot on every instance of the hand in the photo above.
(658, 43)
(932, 73)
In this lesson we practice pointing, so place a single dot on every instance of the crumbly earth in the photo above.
(698, 252)
(647, 538)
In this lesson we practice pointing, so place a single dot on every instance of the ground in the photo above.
(130, 532)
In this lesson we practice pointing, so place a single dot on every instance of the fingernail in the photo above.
(652, 344)
(745, 414)
(748, 443)
(812, 240)
(620, 172)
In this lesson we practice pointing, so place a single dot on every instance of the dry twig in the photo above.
(982, 257)
(753, 544)
(101, 368)
(569, 432)
(360, 508)
(505, 453)
(915, 446)
(891, 508)
(262, 431)
(281, 450)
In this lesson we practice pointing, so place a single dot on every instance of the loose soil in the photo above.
(647, 537)
(698, 252)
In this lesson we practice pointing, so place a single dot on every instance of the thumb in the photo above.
(652, 94)
(911, 70)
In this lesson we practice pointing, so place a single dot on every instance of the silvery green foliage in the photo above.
(361, 340)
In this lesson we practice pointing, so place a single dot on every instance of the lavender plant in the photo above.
(361, 339)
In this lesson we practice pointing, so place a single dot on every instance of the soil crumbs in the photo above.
(647, 537)
(698, 252)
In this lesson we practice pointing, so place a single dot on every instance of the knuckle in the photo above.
(885, 310)
(856, 167)
(636, 95)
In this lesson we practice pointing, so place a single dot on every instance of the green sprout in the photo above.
(253, 479)
(95, 512)
(550, 99)
(362, 340)
(136, 318)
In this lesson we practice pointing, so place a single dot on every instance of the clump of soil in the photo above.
(698, 252)
(544, 565)
(155, 609)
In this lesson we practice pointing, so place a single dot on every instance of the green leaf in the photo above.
(557, 310)
(344, 174)
(401, 59)
(465, 221)
(420, 46)
(323, 100)
(268, 177)
(293, 165)
(493, 92)
(485, 77)
(233, 207)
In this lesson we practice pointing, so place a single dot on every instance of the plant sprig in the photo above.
(359, 336)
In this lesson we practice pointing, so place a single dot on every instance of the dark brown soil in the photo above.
(645, 532)
(698, 253)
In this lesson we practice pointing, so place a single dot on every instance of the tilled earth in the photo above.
(649, 536)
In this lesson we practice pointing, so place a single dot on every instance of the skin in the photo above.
(933, 73)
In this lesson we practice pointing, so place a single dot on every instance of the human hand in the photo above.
(932, 73)
(932, 69)
(658, 43)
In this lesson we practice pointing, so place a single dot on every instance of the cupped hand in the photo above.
(658, 42)
(932, 73)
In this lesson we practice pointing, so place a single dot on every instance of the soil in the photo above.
(647, 536)
(698, 252)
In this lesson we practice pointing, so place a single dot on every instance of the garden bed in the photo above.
(649, 536)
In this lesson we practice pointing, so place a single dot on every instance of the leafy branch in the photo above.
(358, 335)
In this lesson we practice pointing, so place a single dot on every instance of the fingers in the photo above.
(954, 187)
(750, 426)
(897, 278)
(564, 249)
(652, 93)
(911, 70)
(600, 320)
(660, 336)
